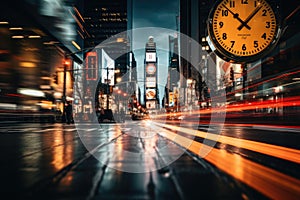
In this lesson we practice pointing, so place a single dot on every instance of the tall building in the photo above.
(193, 18)
(35, 38)
(103, 20)
(151, 89)
(171, 93)
(107, 24)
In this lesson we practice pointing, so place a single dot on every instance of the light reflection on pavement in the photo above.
(270, 182)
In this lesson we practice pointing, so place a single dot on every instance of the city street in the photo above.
(149, 160)
(146, 100)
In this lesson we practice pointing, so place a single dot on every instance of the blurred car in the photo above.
(140, 115)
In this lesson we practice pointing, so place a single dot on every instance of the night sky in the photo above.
(155, 13)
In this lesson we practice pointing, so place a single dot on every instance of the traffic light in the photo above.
(55, 78)
(244, 72)
(231, 74)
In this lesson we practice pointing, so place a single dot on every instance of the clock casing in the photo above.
(243, 30)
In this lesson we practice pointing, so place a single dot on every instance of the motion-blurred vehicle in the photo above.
(139, 115)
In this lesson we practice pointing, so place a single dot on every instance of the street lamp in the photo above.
(66, 64)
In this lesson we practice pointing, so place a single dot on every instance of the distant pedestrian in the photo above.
(102, 114)
(69, 115)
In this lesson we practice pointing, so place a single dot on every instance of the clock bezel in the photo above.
(229, 57)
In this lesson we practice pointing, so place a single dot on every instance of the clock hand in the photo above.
(250, 17)
(236, 16)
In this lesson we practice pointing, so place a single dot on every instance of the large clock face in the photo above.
(243, 29)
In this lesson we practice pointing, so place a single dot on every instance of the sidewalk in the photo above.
(9, 116)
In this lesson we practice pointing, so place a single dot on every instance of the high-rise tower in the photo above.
(151, 89)
(104, 20)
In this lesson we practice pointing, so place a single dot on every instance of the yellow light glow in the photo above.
(27, 64)
(31, 92)
(16, 28)
(34, 36)
(46, 78)
(76, 45)
(17, 36)
(272, 183)
(119, 79)
(120, 39)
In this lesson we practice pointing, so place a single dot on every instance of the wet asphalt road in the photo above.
(136, 160)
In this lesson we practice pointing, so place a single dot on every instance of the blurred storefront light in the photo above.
(46, 78)
(120, 40)
(34, 36)
(189, 81)
(119, 79)
(45, 87)
(15, 28)
(57, 95)
(69, 98)
(27, 64)
(17, 37)
(31, 92)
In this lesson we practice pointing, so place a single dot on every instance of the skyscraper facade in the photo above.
(104, 20)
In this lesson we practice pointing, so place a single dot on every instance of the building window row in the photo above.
(112, 19)
(108, 26)
(111, 14)
(104, 31)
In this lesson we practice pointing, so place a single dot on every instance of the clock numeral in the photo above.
(255, 43)
(232, 44)
(264, 11)
(264, 36)
(255, 4)
(232, 4)
(244, 48)
(224, 36)
(224, 13)
(244, 1)
(268, 24)
(221, 24)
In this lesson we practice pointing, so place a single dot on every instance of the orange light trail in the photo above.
(285, 153)
(286, 102)
(269, 182)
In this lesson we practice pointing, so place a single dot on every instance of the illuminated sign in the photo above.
(171, 99)
(150, 81)
(150, 69)
(91, 66)
(151, 105)
(150, 94)
(150, 57)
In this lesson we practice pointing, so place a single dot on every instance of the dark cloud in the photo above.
(155, 13)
